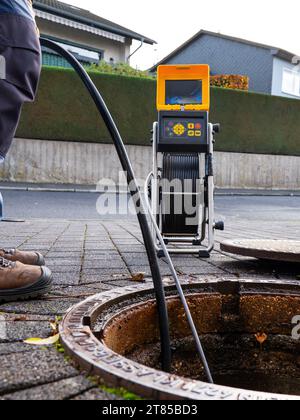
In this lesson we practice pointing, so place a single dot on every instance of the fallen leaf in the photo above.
(42, 341)
(138, 277)
(261, 337)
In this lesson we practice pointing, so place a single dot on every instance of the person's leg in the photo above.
(22, 274)
(11, 102)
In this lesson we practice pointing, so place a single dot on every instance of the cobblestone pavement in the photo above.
(88, 257)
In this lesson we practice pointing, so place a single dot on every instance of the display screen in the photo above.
(183, 128)
(184, 92)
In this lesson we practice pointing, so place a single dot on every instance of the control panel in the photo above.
(183, 131)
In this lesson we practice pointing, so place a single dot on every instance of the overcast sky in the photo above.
(172, 22)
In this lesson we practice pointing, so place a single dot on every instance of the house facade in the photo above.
(270, 70)
(88, 36)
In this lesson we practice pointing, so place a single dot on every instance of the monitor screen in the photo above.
(183, 92)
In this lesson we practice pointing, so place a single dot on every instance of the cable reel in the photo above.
(180, 194)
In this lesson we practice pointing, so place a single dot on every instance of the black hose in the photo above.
(135, 192)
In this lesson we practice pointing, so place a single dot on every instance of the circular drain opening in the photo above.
(246, 329)
(247, 339)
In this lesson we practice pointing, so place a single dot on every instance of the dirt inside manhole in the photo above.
(247, 339)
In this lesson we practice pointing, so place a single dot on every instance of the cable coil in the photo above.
(182, 172)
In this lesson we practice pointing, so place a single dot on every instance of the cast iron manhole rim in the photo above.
(97, 359)
(273, 249)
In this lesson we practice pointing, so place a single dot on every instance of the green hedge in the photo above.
(64, 110)
(251, 123)
(256, 123)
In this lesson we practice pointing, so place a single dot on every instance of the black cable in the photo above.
(135, 192)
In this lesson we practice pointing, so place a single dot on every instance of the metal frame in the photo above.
(208, 214)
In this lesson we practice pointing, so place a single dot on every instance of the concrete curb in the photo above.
(219, 192)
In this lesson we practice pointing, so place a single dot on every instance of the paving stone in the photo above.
(241, 266)
(107, 256)
(25, 370)
(191, 262)
(60, 390)
(63, 255)
(15, 317)
(42, 249)
(19, 330)
(101, 253)
(101, 278)
(106, 271)
(132, 250)
(100, 287)
(45, 307)
(116, 264)
(79, 291)
(133, 260)
(10, 348)
(66, 278)
(164, 269)
(54, 262)
(70, 270)
(121, 283)
(99, 247)
(187, 270)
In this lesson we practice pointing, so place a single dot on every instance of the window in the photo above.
(84, 55)
(291, 82)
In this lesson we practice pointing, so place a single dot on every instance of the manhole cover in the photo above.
(278, 250)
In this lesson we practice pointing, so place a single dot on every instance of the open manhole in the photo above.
(278, 250)
(246, 328)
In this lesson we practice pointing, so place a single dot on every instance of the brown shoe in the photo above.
(29, 258)
(20, 282)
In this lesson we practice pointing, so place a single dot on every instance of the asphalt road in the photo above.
(62, 205)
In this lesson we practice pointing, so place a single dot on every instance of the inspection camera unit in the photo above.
(180, 188)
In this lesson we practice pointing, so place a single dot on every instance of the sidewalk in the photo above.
(88, 257)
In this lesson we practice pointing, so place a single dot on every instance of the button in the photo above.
(191, 126)
(179, 129)
(198, 126)
(198, 133)
(191, 133)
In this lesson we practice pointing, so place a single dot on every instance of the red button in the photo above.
(197, 126)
